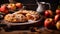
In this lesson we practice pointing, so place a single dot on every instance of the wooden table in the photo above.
(42, 31)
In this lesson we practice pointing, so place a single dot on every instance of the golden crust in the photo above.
(22, 16)
(15, 18)
(8, 17)
(32, 17)
(25, 12)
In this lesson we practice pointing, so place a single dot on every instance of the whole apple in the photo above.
(57, 17)
(58, 25)
(11, 6)
(19, 5)
(48, 13)
(57, 11)
(49, 23)
(4, 9)
(0, 9)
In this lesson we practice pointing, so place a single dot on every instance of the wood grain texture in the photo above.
(19, 32)
(42, 31)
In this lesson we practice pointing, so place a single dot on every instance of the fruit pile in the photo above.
(52, 19)
(6, 7)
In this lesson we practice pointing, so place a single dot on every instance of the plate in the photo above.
(25, 23)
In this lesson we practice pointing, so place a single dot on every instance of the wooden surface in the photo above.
(41, 31)
(21, 32)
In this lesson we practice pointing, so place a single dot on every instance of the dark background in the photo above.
(54, 3)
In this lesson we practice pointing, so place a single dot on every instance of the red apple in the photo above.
(11, 6)
(4, 9)
(48, 23)
(19, 5)
(48, 13)
(57, 17)
(0, 9)
(58, 25)
(58, 11)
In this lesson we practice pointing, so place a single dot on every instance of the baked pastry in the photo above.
(22, 16)
(8, 17)
(21, 12)
(26, 11)
(15, 18)
(33, 12)
(32, 17)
